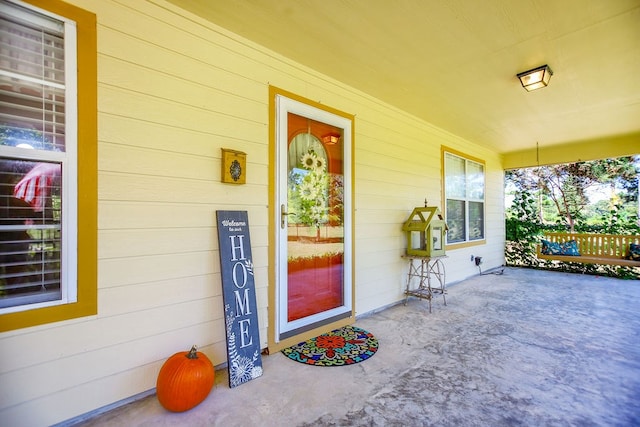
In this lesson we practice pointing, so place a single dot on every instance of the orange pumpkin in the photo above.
(185, 380)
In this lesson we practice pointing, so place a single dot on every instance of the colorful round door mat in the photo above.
(344, 346)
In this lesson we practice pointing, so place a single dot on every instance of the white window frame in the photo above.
(68, 159)
(467, 198)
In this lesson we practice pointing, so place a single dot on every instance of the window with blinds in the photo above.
(464, 198)
(37, 158)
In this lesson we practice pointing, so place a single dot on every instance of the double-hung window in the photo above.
(39, 237)
(464, 183)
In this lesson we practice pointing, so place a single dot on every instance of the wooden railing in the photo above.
(594, 248)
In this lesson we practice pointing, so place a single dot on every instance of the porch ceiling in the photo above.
(454, 63)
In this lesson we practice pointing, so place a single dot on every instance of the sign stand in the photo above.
(239, 296)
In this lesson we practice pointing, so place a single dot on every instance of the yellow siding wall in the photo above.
(173, 90)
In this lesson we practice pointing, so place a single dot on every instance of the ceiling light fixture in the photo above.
(536, 78)
(331, 138)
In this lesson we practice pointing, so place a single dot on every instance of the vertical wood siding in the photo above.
(173, 90)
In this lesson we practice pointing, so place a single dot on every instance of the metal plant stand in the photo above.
(430, 277)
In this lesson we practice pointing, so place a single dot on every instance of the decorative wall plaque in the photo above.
(239, 296)
(234, 166)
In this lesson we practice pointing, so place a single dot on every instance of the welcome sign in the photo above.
(239, 296)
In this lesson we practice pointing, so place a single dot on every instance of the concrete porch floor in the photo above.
(527, 347)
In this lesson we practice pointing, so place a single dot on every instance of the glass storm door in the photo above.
(314, 286)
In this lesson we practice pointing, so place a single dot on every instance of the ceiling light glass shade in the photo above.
(536, 78)
(331, 139)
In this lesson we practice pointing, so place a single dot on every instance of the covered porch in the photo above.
(526, 347)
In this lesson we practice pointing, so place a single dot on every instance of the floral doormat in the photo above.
(344, 346)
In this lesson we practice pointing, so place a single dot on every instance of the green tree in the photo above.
(534, 209)
(522, 229)
(567, 186)
(522, 221)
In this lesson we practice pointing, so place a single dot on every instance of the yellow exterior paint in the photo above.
(626, 145)
(86, 304)
(172, 91)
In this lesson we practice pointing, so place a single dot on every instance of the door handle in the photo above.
(283, 216)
